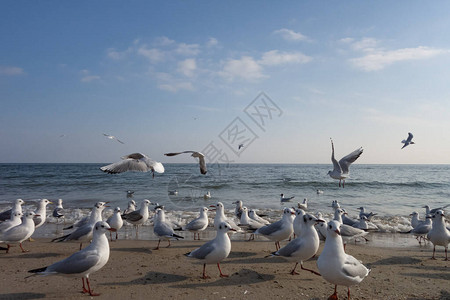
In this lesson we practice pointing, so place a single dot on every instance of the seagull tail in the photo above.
(178, 236)
(37, 271)
(60, 239)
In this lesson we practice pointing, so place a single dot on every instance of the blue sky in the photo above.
(167, 76)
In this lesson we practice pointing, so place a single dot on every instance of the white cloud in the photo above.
(86, 76)
(365, 44)
(11, 71)
(276, 57)
(187, 67)
(290, 35)
(154, 55)
(188, 49)
(176, 86)
(376, 60)
(212, 42)
(245, 68)
(164, 41)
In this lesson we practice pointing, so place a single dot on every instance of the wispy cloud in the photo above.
(290, 35)
(377, 58)
(169, 83)
(246, 68)
(212, 42)
(188, 49)
(187, 67)
(154, 55)
(86, 76)
(276, 57)
(11, 71)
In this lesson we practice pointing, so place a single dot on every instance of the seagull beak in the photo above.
(337, 231)
(319, 221)
(112, 229)
(232, 229)
(36, 216)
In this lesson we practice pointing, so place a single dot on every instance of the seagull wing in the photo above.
(201, 160)
(410, 137)
(292, 247)
(354, 268)
(336, 166)
(78, 262)
(203, 251)
(347, 160)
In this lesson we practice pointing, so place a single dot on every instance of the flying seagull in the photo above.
(408, 140)
(112, 137)
(240, 146)
(341, 168)
(137, 162)
(201, 159)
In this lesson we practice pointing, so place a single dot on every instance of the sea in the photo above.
(390, 191)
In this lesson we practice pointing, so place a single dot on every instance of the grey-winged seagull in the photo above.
(341, 168)
(408, 140)
(200, 156)
(137, 162)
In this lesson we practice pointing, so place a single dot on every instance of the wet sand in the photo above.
(135, 271)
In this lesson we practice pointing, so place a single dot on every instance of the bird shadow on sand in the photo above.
(239, 254)
(445, 295)
(30, 255)
(21, 296)
(244, 276)
(137, 250)
(444, 276)
(256, 260)
(151, 278)
(396, 260)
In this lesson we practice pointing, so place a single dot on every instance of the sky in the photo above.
(281, 78)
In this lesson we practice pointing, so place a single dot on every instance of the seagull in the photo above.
(247, 222)
(214, 251)
(319, 192)
(58, 212)
(207, 195)
(362, 213)
(130, 194)
(13, 221)
(220, 217)
(280, 230)
(347, 220)
(321, 227)
(112, 137)
(162, 229)
(198, 224)
(84, 262)
(335, 265)
(304, 246)
(432, 211)
(361, 223)
(348, 232)
(115, 221)
(131, 207)
(421, 230)
(41, 211)
(303, 205)
(439, 235)
(137, 162)
(19, 233)
(240, 146)
(253, 215)
(298, 221)
(285, 199)
(408, 141)
(17, 206)
(335, 205)
(238, 209)
(200, 156)
(138, 217)
(341, 168)
(84, 233)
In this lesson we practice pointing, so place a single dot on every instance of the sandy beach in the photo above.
(135, 271)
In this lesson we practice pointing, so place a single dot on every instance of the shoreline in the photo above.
(135, 270)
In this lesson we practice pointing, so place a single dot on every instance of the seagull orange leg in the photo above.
(84, 287)
(91, 292)
(221, 275)
(157, 247)
(23, 250)
(434, 250)
(334, 296)
(169, 244)
(204, 272)
(293, 270)
(312, 271)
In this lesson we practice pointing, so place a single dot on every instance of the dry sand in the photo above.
(135, 271)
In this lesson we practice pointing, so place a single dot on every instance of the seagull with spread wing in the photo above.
(112, 137)
(137, 162)
(408, 141)
(341, 168)
(200, 156)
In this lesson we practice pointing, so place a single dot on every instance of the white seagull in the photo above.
(112, 137)
(162, 229)
(138, 217)
(214, 251)
(253, 215)
(439, 235)
(41, 211)
(341, 168)
(247, 222)
(220, 217)
(198, 224)
(408, 141)
(238, 209)
(136, 162)
(19, 233)
(304, 246)
(280, 230)
(115, 222)
(13, 221)
(131, 207)
(303, 205)
(17, 206)
(285, 199)
(335, 265)
(421, 230)
(84, 233)
(200, 156)
(58, 212)
(84, 262)
(346, 231)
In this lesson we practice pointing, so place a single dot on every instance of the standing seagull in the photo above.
(280, 230)
(58, 212)
(138, 217)
(335, 265)
(341, 168)
(439, 235)
(19, 233)
(17, 206)
(198, 224)
(115, 221)
(304, 246)
(84, 262)
(408, 141)
(214, 251)
(200, 156)
(41, 211)
(111, 137)
(162, 229)
(137, 162)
